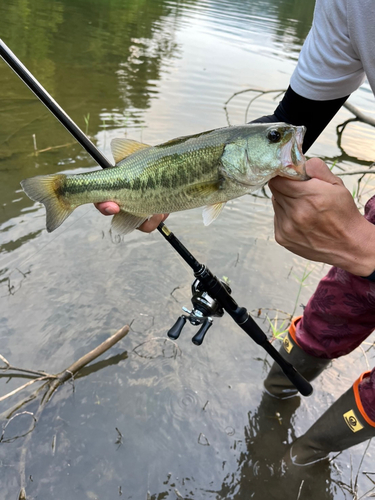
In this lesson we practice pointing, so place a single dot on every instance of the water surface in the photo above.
(153, 418)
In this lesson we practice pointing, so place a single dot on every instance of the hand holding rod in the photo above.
(240, 315)
(212, 284)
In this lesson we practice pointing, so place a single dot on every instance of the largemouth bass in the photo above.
(206, 169)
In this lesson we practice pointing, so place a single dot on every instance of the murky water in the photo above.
(152, 418)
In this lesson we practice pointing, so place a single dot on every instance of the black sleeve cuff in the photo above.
(298, 110)
(371, 277)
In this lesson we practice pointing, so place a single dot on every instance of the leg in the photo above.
(338, 318)
(345, 424)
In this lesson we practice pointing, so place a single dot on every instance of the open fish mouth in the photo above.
(292, 157)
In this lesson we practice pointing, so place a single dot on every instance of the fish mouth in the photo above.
(292, 157)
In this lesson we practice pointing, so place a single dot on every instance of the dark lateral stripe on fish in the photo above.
(151, 182)
(157, 180)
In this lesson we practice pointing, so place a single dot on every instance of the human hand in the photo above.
(318, 219)
(111, 208)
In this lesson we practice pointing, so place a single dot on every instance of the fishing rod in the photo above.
(210, 296)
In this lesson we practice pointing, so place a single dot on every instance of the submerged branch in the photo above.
(359, 115)
(356, 172)
(52, 382)
(258, 91)
(22, 387)
(9, 367)
(69, 372)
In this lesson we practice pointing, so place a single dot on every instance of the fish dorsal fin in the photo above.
(121, 148)
(210, 212)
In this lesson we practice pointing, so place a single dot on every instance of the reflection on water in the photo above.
(152, 418)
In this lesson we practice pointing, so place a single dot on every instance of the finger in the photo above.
(287, 187)
(107, 208)
(282, 195)
(293, 189)
(151, 224)
(317, 169)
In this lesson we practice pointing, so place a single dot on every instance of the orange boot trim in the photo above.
(358, 400)
(292, 329)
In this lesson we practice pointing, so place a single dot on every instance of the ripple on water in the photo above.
(184, 404)
(158, 347)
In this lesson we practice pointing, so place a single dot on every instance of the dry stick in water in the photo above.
(86, 359)
(58, 380)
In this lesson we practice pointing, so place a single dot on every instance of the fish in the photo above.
(202, 170)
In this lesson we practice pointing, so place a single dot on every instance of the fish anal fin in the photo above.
(121, 148)
(211, 212)
(124, 222)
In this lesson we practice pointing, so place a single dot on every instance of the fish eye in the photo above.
(273, 136)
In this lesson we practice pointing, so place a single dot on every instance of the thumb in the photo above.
(316, 168)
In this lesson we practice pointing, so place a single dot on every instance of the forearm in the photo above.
(298, 110)
(364, 260)
(356, 254)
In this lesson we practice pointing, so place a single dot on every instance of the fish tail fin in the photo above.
(46, 189)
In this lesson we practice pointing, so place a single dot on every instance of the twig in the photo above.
(358, 114)
(70, 371)
(51, 148)
(352, 109)
(9, 367)
(365, 356)
(359, 467)
(86, 359)
(2, 440)
(300, 489)
(19, 389)
(356, 172)
(259, 91)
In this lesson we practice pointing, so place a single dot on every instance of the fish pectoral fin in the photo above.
(124, 222)
(211, 212)
(121, 148)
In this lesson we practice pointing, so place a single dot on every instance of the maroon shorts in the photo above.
(339, 317)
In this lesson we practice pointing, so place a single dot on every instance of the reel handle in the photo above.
(175, 331)
(198, 337)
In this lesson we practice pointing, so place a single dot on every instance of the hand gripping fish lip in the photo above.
(292, 157)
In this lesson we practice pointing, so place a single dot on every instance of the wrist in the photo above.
(360, 250)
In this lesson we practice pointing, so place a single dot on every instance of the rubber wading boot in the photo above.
(276, 383)
(343, 425)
